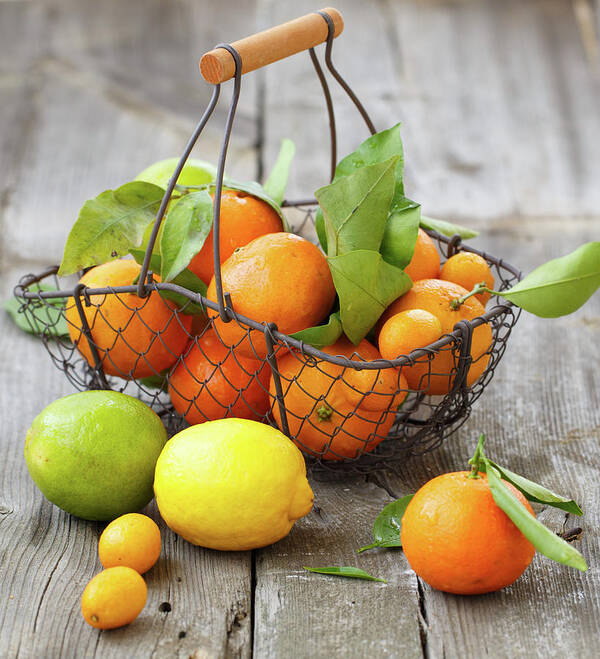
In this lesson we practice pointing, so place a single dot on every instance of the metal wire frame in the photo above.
(420, 423)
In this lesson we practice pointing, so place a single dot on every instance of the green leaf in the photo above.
(366, 285)
(352, 572)
(537, 493)
(560, 286)
(320, 229)
(185, 278)
(322, 335)
(387, 527)
(400, 236)
(356, 207)
(185, 228)
(276, 183)
(38, 316)
(541, 537)
(109, 225)
(375, 149)
(447, 228)
(159, 381)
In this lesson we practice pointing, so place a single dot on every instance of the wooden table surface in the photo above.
(500, 103)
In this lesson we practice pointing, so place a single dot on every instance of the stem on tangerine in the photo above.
(324, 413)
(477, 459)
(456, 304)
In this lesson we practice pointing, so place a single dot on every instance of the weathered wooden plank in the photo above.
(310, 615)
(499, 106)
(541, 417)
(497, 100)
(74, 131)
(149, 51)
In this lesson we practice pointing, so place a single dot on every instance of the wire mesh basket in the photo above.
(149, 340)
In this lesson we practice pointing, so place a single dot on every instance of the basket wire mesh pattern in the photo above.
(314, 397)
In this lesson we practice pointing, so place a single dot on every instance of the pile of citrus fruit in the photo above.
(103, 455)
(230, 481)
(216, 369)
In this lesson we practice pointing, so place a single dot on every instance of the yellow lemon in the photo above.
(231, 484)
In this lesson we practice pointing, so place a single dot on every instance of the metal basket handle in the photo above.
(270, 46)
(228, 61)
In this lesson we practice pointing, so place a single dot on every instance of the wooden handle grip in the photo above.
(270, 46)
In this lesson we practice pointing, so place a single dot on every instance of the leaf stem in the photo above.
(456, 304)
(478, 458)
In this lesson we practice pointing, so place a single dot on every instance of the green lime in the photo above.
(195, 172)
(93, 453)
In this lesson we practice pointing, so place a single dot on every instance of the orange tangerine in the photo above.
(113, 598)
(468, 269)
(132, 540)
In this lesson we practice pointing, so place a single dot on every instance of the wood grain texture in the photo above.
(77, 128)
(499, 106)
(310, 615)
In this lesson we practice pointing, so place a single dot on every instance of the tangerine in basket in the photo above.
(335, 412)
(242, 218)
(113, 598)
(132, 540)
(213, 382)
(467, 270)
(425, 263)
(135, 337)
(278, 278)
(406, 331)
(435, 375)
(458, 540)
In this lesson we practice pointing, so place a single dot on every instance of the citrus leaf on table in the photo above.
(447, 228)
(356, 207)
(277, 181)
(560, 286)
(541, 537)
(43, 317)
(185, 279)
(400, 235)
(366, 286)
(184, 230)
(322, 335)
(537, 493)
(110, 224)
(352, 572)
(387, 527)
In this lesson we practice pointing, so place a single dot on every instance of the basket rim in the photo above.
(284, 339)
